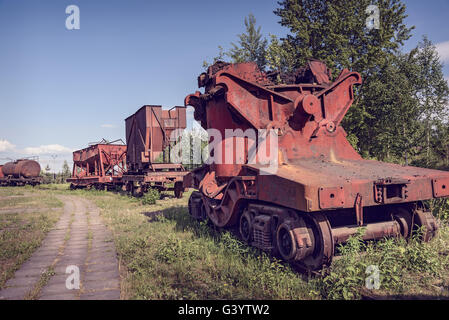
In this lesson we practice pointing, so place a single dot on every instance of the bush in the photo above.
(401, 264)
(150, 197)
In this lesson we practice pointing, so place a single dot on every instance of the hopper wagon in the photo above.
(101, 165)
(149, 139)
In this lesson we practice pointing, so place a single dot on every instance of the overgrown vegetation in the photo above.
(26, 215)
(150, 197)
(168, 255)
(165, 254)
(406, 269)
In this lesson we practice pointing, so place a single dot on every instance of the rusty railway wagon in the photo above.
(148, 139)
(20, 172)
(101, 165)
(322, 190)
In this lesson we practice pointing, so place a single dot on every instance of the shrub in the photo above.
(150, 197)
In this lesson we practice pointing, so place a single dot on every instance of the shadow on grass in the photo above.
(206, 230)
(178, 214)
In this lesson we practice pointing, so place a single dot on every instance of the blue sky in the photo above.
(60, 89)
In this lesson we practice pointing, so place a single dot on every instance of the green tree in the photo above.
(431, 91)
(66, 170)
(393, 125)
(251, 46)
(440, 145)
(279, 56)
(336, 32)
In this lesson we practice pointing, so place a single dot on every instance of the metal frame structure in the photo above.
(101, 165)
(148, 139)
(323, 190)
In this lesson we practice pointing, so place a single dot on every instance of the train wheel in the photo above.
(323, 242)
(246, 226)
(404, 218)
(425, 222)
(197, 208)
(137, 191)
(179, 190)
(307, 241)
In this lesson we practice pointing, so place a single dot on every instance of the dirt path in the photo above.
(79, 241)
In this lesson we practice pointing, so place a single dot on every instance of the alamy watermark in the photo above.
(72, 22)
(373, 19)
(373, 279)
(73, 280)
(236, 147)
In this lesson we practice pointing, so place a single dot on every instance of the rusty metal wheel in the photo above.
(425, 222)
(129, 187)
(285, 243)
(137, 191)
(179, 189)
(404, 218)
(196, 207)
(323, 242)
(246, 226)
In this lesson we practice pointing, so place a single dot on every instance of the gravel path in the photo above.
(78, 242)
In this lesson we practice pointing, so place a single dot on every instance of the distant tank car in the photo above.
(321, 190)
(20, 172)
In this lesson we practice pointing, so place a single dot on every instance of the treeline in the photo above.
(400, 112)
(53, 177)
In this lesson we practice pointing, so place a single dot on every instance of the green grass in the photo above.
(168, 255)
(22, 230)
(43, 280)
(165, 254)
(407, 269)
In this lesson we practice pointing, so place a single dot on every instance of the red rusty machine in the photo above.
(149, 138)
(101, 165)
(322, 190)
(20, 172)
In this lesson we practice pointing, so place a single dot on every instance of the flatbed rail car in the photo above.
(321, 190)
(20, 172)
(148, 139)
(101, 165)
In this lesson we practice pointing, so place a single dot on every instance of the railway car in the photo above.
(101, 165)
(319, 191)
(20, 172)
(148, 139)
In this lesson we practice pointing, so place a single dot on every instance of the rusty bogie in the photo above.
(321, 191)
(309, 239)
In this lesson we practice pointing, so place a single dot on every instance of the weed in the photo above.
(150, 197)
